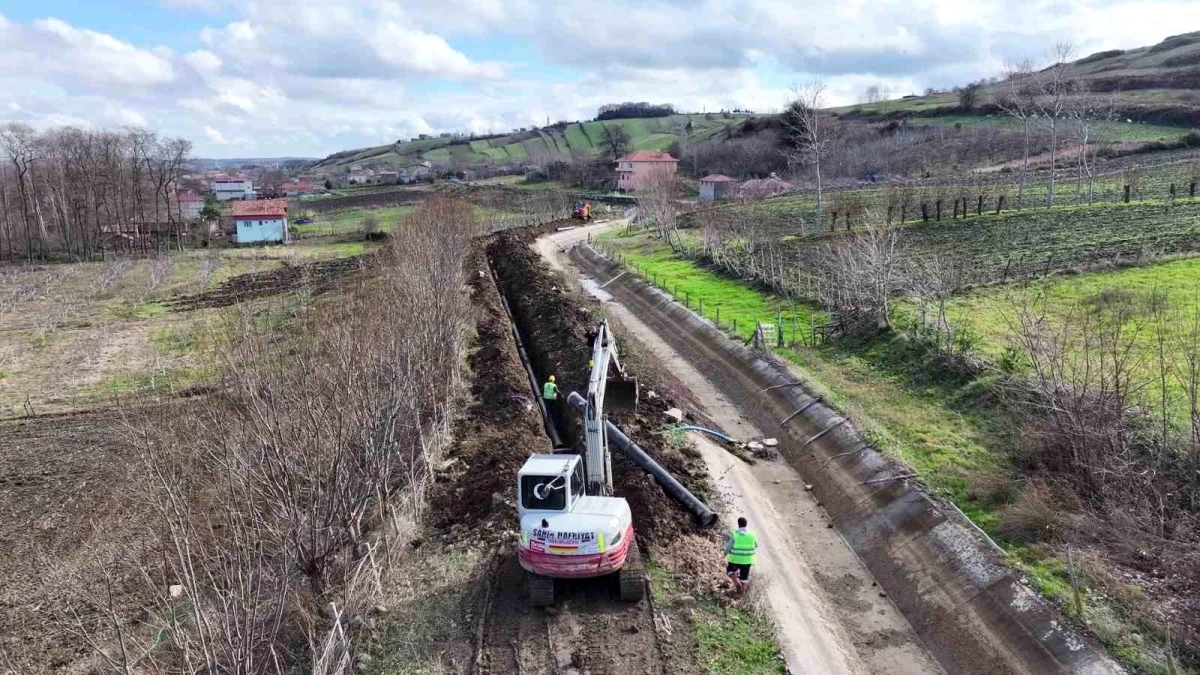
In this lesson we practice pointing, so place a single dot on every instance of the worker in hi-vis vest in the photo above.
(550, 398)
(740, 547)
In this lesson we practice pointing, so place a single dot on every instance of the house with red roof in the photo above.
(639, 170)
(260, 221)
(716, 186)
(190, 205)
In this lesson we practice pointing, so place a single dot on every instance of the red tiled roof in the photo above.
(716, 178)
(260, 207)
(647, 156)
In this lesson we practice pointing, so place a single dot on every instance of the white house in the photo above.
(233, 188)
(261, 221)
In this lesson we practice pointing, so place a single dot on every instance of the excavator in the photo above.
(571, 525)
(582, 211)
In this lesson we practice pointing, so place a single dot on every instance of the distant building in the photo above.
(232, 188)
(260, 221)
(639, 170)
(297, 189)
(416, 172)
(716, 186)
(190, 205)
(763, 187)
(388, 176)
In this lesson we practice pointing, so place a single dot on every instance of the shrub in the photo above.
(1033, 517)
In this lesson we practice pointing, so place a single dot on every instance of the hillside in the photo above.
(1156, 86)
(556, 141)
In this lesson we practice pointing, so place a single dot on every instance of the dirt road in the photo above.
(830, 616)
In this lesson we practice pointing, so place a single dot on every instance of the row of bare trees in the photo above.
(282, 499)
(1055, 100)
(81, 192)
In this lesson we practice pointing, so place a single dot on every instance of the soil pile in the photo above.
(322, 275)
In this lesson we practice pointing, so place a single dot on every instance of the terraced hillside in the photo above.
(556, 141)
(1154, 85)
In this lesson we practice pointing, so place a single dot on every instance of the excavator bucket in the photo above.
(620, 394)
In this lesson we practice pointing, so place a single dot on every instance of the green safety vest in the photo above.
(550, 391)
(742, 552)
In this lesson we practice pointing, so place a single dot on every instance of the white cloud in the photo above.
(272, 77)
(87, 56)
(215, 136)
(204, 61)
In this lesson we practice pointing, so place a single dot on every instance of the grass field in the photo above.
(655, 133)
(1103, 132)
(76, 335)
(992, 313)
(350, 221)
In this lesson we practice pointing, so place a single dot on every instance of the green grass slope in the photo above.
(553, 142)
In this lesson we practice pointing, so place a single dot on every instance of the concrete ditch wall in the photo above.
(960, 597)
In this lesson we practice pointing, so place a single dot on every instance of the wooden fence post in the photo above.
(999, 204)
(979, 208)
(1074, 583)
(687, 300)
(779, 325)
(939, 210)
(889, 214)
(1192, 189)
(924, 212)
(1126, 194)
(955, 216)
(903, 212)
(718, 316)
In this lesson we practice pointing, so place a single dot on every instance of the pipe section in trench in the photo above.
(616, 438)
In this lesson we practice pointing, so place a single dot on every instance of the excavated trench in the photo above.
(552, 324)
(523, 303)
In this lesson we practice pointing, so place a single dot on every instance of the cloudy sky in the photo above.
(309, 77)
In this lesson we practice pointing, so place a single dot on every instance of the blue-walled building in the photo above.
(262, 221)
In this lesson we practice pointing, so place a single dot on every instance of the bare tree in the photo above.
(1084, 110)
(1056, 86)
(808, 132)
(1019, 102)
(616, 141)
(857, 276)
(656, 203)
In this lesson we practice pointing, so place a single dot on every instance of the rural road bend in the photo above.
(830, 617)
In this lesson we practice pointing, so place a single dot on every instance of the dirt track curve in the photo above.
(828, 611)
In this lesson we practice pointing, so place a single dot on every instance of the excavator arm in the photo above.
(606, 392)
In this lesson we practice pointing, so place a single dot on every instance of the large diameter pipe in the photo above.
(616, 438)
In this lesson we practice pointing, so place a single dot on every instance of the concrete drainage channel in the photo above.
(963, 602)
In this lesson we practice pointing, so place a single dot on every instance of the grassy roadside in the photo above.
(722, 639)
(930, 423)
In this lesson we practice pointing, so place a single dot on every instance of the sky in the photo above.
(271, 78)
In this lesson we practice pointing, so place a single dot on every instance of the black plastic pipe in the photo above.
(617, 439)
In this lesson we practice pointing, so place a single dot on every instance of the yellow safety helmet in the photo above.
(551, 378)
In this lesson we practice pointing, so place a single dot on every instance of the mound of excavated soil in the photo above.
(554, 324)
(321, 275)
